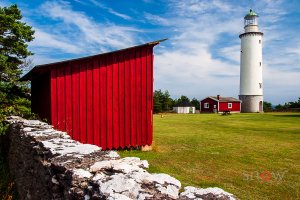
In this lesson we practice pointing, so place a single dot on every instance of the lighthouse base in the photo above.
(251, 103)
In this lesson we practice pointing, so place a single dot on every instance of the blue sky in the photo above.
(201, 57)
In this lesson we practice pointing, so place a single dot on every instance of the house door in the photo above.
(260, 106)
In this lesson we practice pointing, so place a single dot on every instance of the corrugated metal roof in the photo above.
(224, 99)
(45, 67)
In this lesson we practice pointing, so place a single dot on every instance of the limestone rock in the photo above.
(192, 193)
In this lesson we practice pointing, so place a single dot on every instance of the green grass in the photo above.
(231, 152)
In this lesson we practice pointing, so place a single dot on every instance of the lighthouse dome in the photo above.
(250, 14)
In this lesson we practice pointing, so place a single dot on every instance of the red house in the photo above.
(215, 104)
(105, 99)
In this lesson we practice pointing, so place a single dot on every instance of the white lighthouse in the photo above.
(251, 81)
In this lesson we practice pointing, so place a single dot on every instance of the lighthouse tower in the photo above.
(251, 81)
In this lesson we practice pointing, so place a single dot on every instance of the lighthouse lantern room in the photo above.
(251, 80)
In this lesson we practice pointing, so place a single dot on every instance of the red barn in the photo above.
(105, 99)
(215, 104)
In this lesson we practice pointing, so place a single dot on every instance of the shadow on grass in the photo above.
(288, 115)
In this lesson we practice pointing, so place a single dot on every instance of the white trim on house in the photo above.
(229, 105)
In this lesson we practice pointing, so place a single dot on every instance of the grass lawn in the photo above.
(254, 156)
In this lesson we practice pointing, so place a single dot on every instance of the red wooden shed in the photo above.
(215, 104)
(104, 99)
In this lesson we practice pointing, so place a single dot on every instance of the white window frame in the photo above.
(206, 105)
(229, 105)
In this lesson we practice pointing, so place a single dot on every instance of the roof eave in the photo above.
(27, 76)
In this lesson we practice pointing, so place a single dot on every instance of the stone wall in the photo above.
(48, 164)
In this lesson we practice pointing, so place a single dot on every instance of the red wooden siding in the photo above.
(105, 100)
(224, 106)
(211, 105)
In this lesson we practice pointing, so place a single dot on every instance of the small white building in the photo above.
(184, 108)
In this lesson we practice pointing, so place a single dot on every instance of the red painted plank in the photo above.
(138, 97)
(103, 104)
(90, 107)
(152, 90)
(68, 84)
(127, 99)
(149, 96)
(82, 102)
(53, 120)
(75, 101)
(122, 100)
(109, 117)
(133, 99)
(96, 100)
(144, 96)
(61, 103)
(115, 102)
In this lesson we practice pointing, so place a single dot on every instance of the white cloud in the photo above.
(231, 53)
(155, 19)
(110, 10)
(107, 35)
(58, 42)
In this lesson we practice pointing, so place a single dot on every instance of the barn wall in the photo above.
(40, 96)
(105, 100)
(211, 105)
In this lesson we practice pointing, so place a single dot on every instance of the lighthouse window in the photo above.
(206, 105)
(260, 85)
(259, 63)
(259, 41)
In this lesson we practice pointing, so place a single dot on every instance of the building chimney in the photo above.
(218, 97)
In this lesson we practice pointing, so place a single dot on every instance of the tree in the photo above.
(288, 106)
(295, 104)
(183, 99)
(195, 102)
(14, 35)
(162, 101)
(157, 107)
(267, 106)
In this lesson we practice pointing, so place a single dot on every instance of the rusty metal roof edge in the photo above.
(219, 100)
(28, 75)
